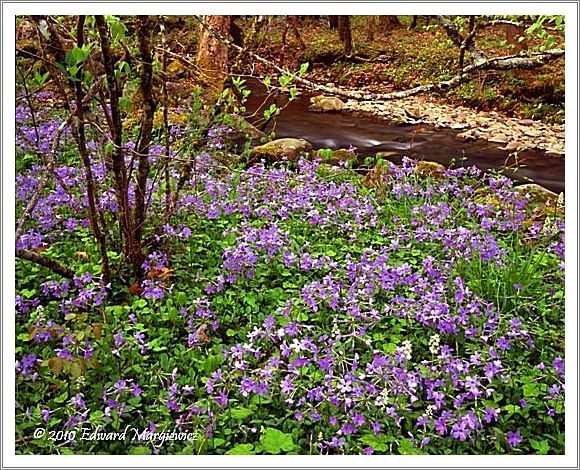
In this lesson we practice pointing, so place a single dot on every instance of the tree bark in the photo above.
(79, 134)
(344, 33)
(458, 39)
(118, 157)
(45, 261)
(333, 21)
(145, 28)
(371, 27)
(212, 56)
(389, 22)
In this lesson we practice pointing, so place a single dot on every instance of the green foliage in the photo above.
(276, 442)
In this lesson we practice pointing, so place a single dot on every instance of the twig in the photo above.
(45, 261)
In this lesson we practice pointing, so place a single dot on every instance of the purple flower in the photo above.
(78, 401)
(172, 405)
(64, 354)
(73, 421)
(136, 390)
(423, 420)
(45, 413)
(514, 438)
(490, 415)
(554, 391)
(121, 386)
(558, 364)
(358, 420)
(368, 450)
(502, 343)
(89, 351)
(459, 431)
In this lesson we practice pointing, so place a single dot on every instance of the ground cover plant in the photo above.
(297, 311)
(287, 308)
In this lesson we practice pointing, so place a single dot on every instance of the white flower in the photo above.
(434, 343)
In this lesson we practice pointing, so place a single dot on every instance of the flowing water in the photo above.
(424, 142)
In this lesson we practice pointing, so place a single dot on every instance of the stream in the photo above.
(423, 142)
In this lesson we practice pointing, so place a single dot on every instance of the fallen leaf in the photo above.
(136, 289)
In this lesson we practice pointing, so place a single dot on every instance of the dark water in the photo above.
(424, 142)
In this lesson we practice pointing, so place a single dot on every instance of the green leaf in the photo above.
(275, 441)
(61, 398)
(284, 80)
(118, 28)
(240, 413)
(155, 345)
(212, 363)
(77, 368)
(24, 337)
(406, 448)
(218, 442)
(389, 348)
(376, 444)
(531, 390)
(541, 446)
(266, 80)
(242, 449)
(511, 409)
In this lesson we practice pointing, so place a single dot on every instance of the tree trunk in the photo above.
(145, 28)
(344, 33)
(333, 22)
(118, 155)
(212, 55)
(371, 27)
(460, 41)
(390, 22)
(79, 133)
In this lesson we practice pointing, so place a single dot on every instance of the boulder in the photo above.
(428, 168)
(278, 150)
(326, 104)
(538, 194)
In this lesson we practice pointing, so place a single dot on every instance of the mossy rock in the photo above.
(538, 194)
(326, 104)
(175, 67)
(432, 169)
(279, 150)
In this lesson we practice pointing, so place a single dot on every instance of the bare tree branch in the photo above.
(45, 261)
(461, 42)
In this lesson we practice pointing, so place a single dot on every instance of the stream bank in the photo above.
(371, 128)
